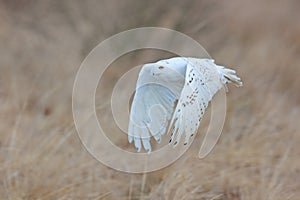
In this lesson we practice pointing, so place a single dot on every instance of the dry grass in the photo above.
(42, 45)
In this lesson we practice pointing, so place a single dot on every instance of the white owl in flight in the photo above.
(171, 97)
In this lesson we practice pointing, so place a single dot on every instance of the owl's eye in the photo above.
(161, 67)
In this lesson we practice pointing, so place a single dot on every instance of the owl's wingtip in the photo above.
(229, 75)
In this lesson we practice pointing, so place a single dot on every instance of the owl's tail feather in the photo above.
(229, 76)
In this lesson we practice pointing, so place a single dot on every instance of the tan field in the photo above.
(42, 46)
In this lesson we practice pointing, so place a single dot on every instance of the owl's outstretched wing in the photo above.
(202, 81)
(158, 88)
(182, 86)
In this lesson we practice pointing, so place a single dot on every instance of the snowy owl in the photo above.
(171, 97)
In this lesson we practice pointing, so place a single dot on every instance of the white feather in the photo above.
(175, 90)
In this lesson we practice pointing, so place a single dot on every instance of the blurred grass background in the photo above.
(42, 46)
